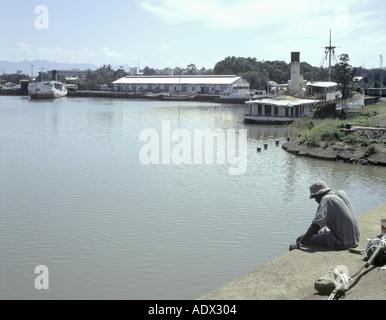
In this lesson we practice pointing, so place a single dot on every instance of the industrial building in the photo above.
(66, 75)
(205, 84)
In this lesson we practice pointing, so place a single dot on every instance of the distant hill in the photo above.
(9, 67)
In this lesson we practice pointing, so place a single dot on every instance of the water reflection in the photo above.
(268, 132)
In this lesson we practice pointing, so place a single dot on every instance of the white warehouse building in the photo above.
(210, 84)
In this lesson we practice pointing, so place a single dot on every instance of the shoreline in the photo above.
(131, 96)
(331, 153)
(363, 141)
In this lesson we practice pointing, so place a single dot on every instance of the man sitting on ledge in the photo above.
(335, 224)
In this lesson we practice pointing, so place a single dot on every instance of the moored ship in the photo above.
(47, 90)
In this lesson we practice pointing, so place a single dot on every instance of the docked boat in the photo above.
(181, 96)
(238, 93)
(47, 90)
(279, 111)
(154, 95)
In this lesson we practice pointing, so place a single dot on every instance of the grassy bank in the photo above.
(331, 132)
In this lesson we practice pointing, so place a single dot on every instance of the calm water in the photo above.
(75, 197)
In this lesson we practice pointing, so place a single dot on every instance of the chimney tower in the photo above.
(295, 73)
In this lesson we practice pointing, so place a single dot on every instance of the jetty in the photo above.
(292, 276)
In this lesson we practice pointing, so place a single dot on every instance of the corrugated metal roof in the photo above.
(175, 80)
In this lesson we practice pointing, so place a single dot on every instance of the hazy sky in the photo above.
(170, 33)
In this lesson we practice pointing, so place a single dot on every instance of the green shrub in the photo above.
(352, 139)
(322, 131)
(370, 151)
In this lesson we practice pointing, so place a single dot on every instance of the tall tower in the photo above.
(295, 73)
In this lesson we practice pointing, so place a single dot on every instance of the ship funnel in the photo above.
(55, 75)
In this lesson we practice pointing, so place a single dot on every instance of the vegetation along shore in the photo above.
(358, 138)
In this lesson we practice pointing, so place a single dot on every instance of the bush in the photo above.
(322, 131)
(352, 139)
(370, 151)
(310, 140)
(330, 134)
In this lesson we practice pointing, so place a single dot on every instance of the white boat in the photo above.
(240, 94)
(237, 93)
(47, 90)
(154, 95)
(181, 96)
(280, 110)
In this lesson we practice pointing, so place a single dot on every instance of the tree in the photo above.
(120, 73)
(257, 80)
(311, 73)
(104, 75)
(16, 77)
(233, 65)
(191, 68)
(148, 71)
(343, 74)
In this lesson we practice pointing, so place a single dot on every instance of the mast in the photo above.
(380, 67)
(329, 50)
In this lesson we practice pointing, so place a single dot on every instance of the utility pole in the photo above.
(380, 65)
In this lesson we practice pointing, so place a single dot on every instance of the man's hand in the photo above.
(294, 246)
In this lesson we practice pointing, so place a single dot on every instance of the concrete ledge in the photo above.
(292, 276)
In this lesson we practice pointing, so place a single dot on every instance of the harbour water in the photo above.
(76, 197)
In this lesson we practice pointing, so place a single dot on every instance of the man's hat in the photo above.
(318, 188)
